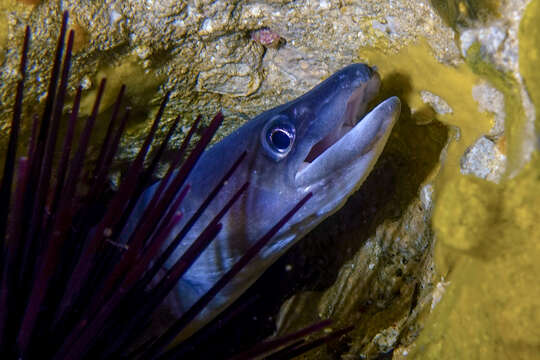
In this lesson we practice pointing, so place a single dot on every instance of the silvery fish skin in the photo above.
(314, 143)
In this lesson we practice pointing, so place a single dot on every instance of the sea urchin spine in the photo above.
(70, 287)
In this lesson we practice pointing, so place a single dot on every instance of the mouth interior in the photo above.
(353, 114)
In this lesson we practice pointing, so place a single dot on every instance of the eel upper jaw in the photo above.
(357, 147)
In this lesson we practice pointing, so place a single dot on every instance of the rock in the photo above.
(484, 160)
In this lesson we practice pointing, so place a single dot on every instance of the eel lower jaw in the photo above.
(362, 142)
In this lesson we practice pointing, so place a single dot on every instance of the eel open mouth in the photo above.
(354, 139)
(355, 110)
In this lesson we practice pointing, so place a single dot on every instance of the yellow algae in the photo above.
(5, 5)
(415, 69)
(491, 309)
(29, 2)
(3, 36)
(461, 223)
(460, 12)
(488, 238)
(127, 72)
(487, 234)
(529, 53)
(81, 37)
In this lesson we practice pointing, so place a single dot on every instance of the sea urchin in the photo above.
(70, 286)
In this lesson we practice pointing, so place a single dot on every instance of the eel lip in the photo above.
(362, 143)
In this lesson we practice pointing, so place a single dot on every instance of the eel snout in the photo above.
(362, 142)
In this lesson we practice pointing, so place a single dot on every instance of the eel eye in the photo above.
(278, 137)
(281, 139)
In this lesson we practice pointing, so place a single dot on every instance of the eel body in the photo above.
(322, 142)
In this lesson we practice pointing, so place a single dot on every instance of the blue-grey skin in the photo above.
(279, 178)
